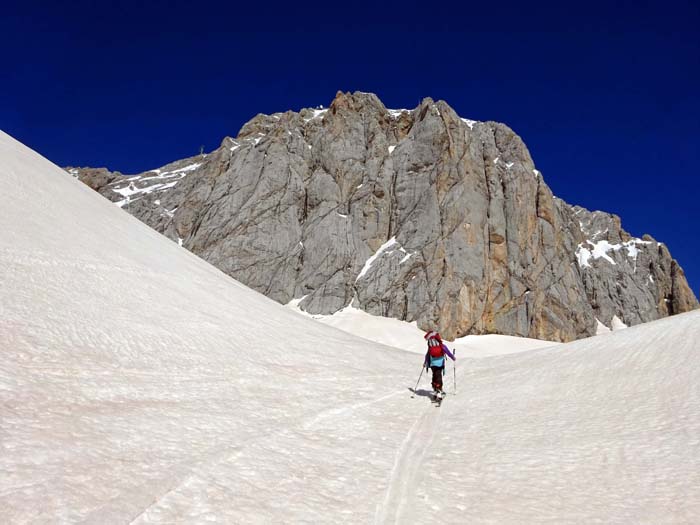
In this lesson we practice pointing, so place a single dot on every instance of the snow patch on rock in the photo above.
(617, 323)
(131, 189)
(396, 113)
(601, 249)
(368, 263)
(601, 328)
(386, 248)
(469, 123)
(315, 113)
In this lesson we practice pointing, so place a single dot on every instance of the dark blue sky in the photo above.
(605, 96)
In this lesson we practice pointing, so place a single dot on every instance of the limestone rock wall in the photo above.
(415, 214)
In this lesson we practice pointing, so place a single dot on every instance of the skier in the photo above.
(435, 361)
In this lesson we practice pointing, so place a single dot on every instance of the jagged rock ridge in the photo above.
(419, 215)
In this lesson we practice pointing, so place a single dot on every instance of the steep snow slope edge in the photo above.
(128, 363)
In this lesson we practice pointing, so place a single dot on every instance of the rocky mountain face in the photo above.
(415, 214)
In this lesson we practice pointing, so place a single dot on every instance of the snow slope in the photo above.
(139, 384)
(408, 336)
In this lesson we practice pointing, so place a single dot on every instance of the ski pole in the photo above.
(421, 375)
(454, 369)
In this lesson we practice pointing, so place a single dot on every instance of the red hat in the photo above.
(432, 334)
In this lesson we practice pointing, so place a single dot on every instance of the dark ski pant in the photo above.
(437, 377)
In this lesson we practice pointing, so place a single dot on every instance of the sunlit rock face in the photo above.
(415, 214)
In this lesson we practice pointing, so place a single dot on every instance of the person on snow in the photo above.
(435, 360)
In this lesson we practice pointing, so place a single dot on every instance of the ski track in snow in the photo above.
(400, 496)
(408, 457)
(186, 473)
(174, 480)
(408, 461)
(334, 412)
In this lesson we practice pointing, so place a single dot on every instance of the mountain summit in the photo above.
(415, 214)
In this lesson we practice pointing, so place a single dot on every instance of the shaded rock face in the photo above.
(419, 215)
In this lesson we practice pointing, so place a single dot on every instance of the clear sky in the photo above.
(606, 95)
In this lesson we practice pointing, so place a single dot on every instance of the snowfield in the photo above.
(138, 384)
(408, 336)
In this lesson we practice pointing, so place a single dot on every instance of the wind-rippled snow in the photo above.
(140, 384)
